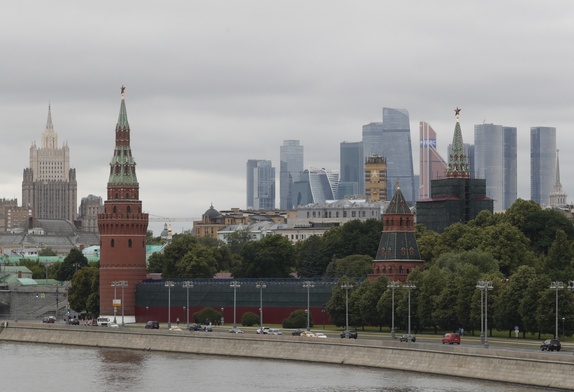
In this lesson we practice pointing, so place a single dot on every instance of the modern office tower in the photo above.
(496, 162)
(315, 186)
(90, 207)
(123, 229)
(542, 163)
(376, 179)
(456, 198)
(49, 185)
(432, 166)
(558, 198)
(260, 185)
(391, 139)
(290, 170)
(352, 163)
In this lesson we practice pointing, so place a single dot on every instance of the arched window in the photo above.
(129, 209)
(130, 243)
(112, 243)
(115, 209)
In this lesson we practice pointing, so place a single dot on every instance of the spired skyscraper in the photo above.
(49, 185)
(391, 139)
(495, 157)
(260, 185)
(290, 171)
(123, 228)
(542, 163)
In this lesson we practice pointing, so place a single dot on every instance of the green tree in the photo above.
(47, 252)
(337, 304)
(271, 257)
(365, 300)
(358, 266)
(427, 241)
(444, 314)
(529, 304)
(83, 295)
(509, 246)
(310, 257)
(298, 319)
(237, 239)
(430, 286)
(559, 261)
(197, 263)
(72, 263)
(166, 263)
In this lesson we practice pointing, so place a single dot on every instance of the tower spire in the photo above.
(457, 160)
(123, 166)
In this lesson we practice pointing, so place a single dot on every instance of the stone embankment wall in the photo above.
(520, 367)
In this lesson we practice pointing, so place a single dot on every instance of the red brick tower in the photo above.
(122, 228)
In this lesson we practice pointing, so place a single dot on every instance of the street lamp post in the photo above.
(563, 333)
(222, 317)
(187, 285)
(409, 286)
(323, 311)
(393, 285)
(260, 285)
(308, 285)
(114, 285)
(346, 287)
(146, 314)
(122, 284)
(484, 286)
(169, 284)
(235, 285)
(556, 286)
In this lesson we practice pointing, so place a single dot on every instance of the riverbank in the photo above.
(550, 370)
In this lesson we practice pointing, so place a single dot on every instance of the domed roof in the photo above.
(212, 213)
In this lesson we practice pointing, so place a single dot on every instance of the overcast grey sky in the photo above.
(212, 84)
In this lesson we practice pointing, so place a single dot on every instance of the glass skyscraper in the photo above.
(260, 185)
(496, 162)
(542, 163)
(290, 170)
(391, 139)
(432, 165)
(352, 170)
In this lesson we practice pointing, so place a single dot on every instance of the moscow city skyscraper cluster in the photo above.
(492, 157)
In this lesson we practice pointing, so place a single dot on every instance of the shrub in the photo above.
(207, 314)
(297, 319)
(249, 319)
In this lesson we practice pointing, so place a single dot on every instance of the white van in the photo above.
(103, 321)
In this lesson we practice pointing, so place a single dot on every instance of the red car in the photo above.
(451, 338)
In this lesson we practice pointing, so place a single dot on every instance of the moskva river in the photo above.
(33, 368)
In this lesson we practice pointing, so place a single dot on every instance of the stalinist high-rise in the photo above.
(49, 186)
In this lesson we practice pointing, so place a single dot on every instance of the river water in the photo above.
(31, 367)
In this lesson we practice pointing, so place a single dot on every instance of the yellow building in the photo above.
(376, 178)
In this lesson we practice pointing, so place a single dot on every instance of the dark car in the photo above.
(74, 321)
(551, 345)
(195, 327)
(349, 334)
(152, 325)
(406, 338)
(297, 332)
(49, 319)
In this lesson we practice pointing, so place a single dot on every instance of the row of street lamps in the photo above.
(122, 284)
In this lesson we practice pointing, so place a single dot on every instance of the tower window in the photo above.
(112, 243)
(130, 243)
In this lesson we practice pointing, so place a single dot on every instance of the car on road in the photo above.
(274, 331)
(152, 325)
(307, 334)
(451, 338)
(49, 319)
(551, 345)
(235, 330)
(74, 321)
(408, 338)
(320, 335)
(349, 334)
(297, 332)
(195, 327)
(264, 330)
(113, 325)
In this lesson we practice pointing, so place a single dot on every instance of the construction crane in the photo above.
(156, 218)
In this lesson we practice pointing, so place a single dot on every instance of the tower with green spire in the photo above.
(457, 198)
(122, 227)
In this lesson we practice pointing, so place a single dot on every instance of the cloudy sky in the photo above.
(212, 84)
